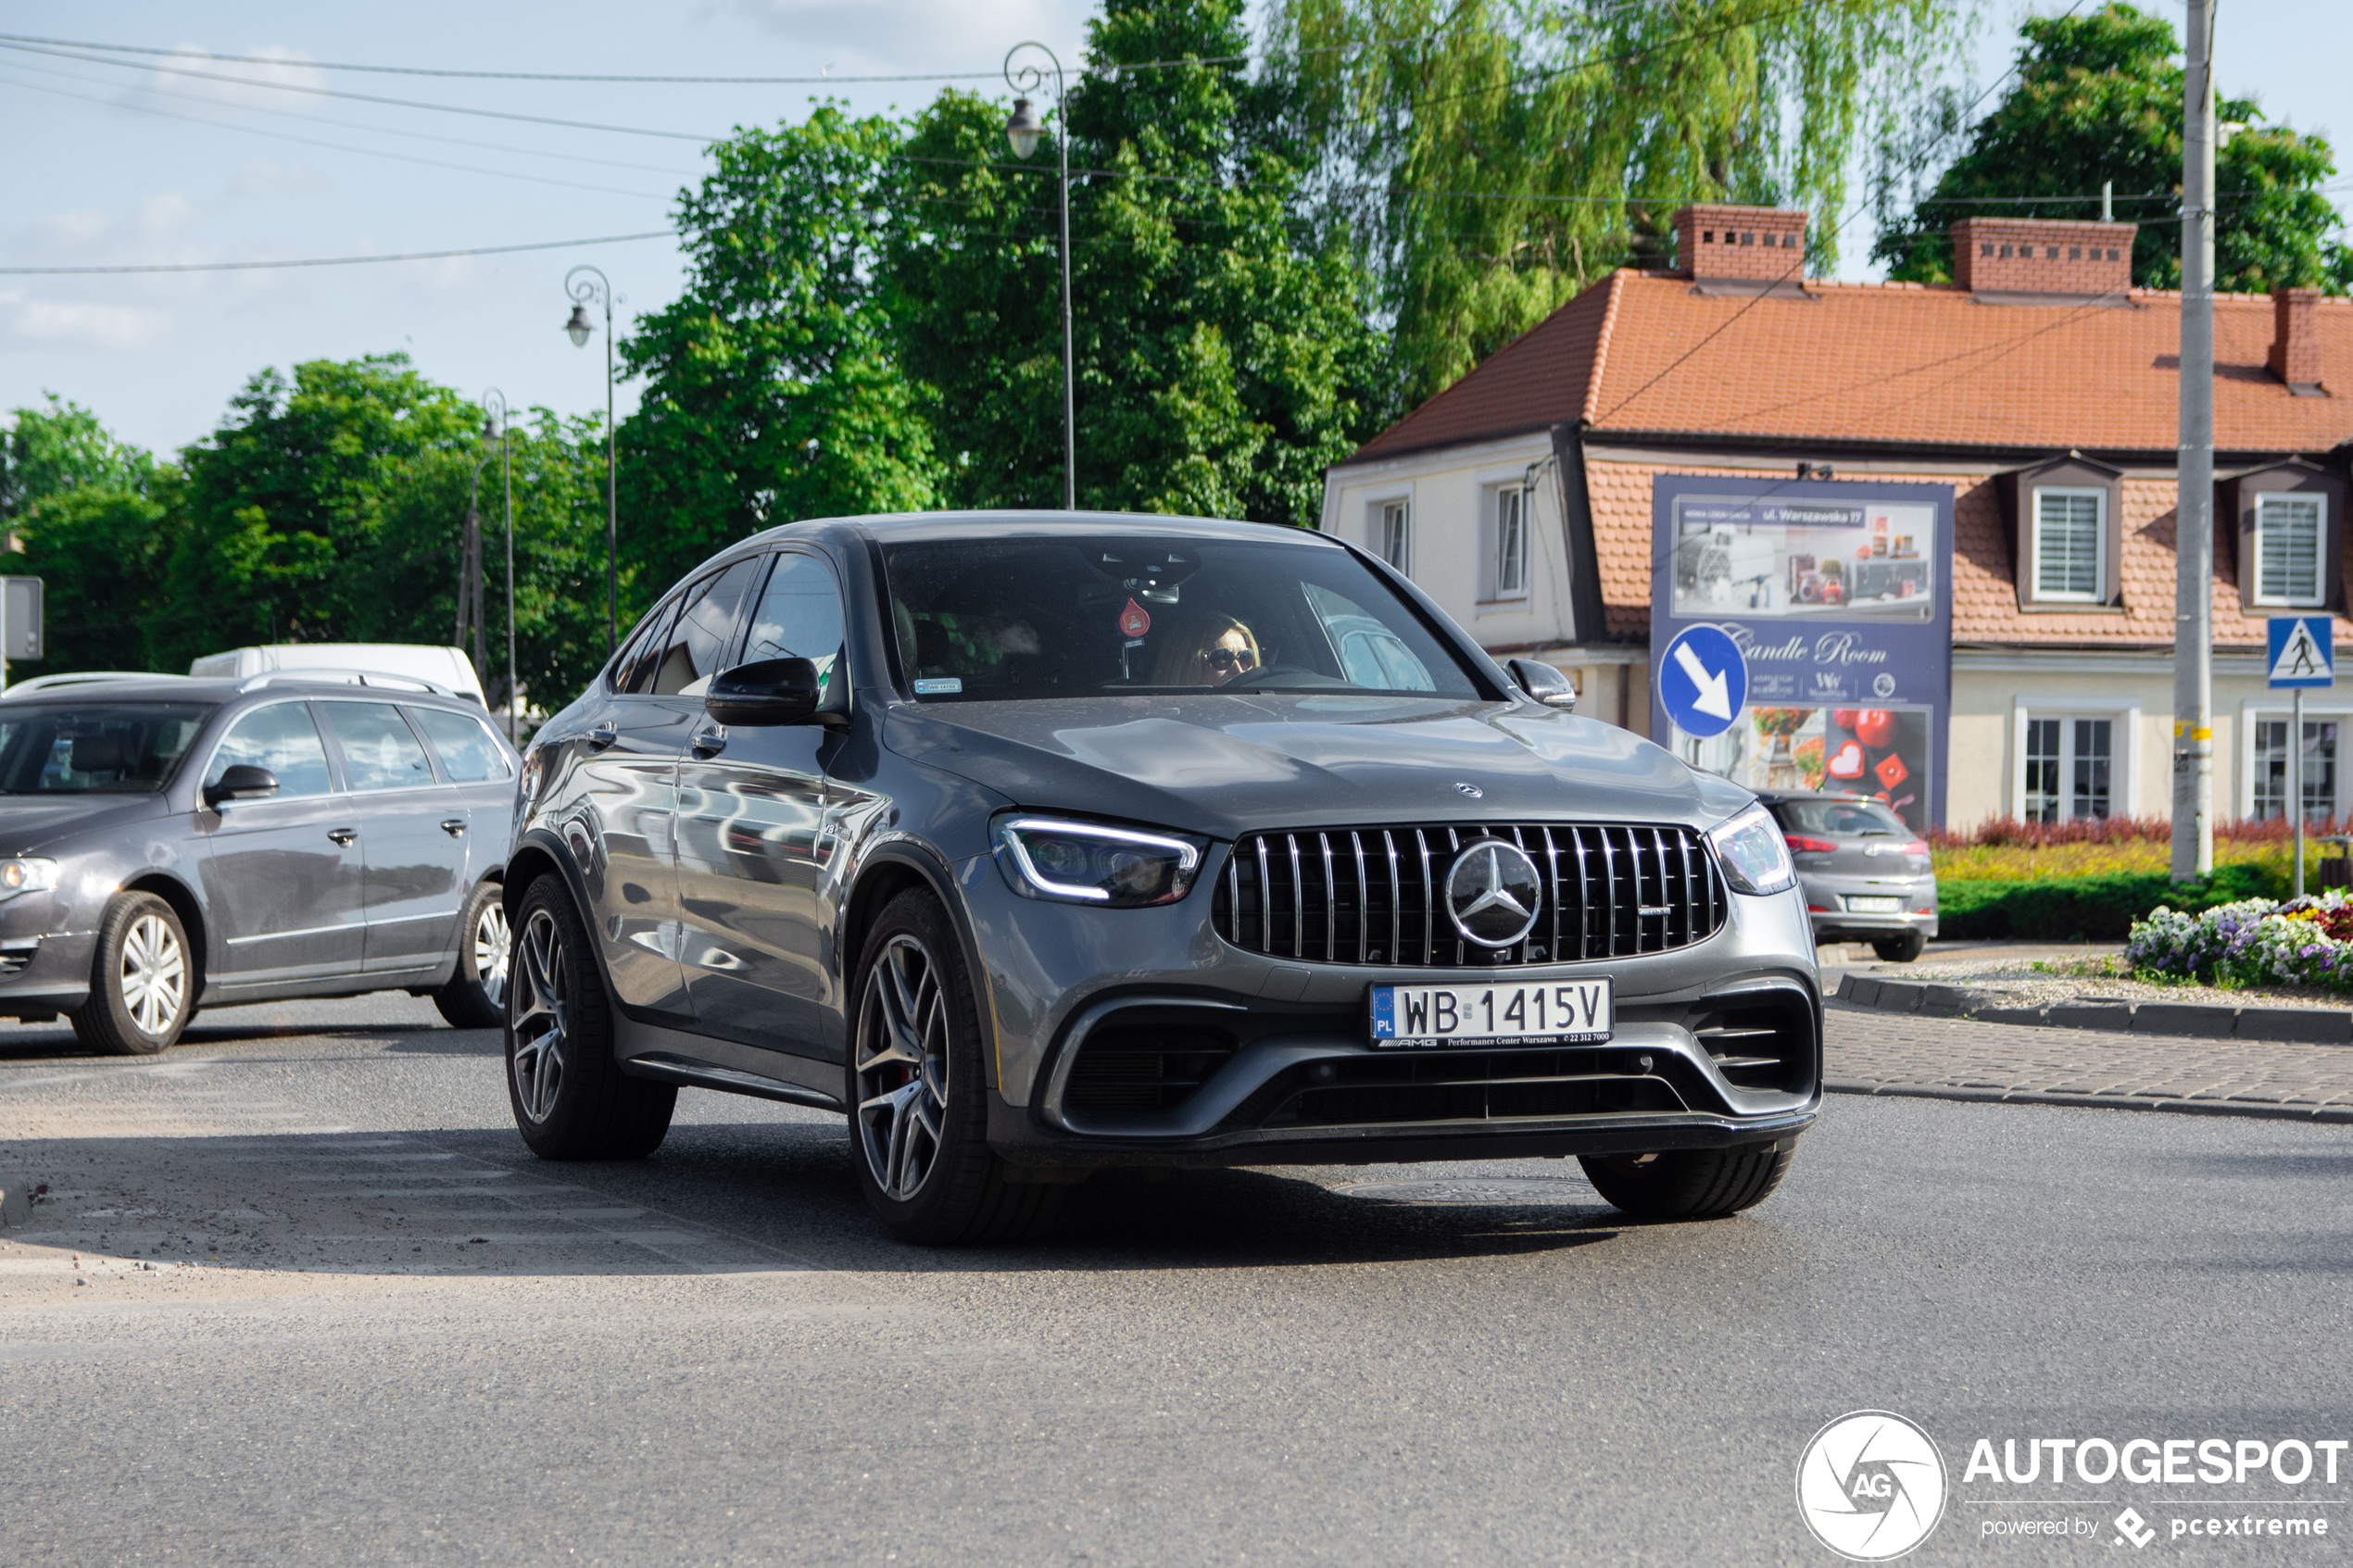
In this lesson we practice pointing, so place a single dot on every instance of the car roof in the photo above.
(925, 527)
(196, 688)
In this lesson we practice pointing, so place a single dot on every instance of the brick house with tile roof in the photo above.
(2042, 381)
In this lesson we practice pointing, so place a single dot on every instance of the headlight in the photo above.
(27, 876)
(1755, 856)
(1087, 863)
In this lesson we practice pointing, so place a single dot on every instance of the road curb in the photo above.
(2199, 1021)
(2336, 1115)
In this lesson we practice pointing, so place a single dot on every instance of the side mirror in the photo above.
(769, 691)
(244, 782)
(1543, 683)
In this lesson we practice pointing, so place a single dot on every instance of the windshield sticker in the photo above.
(947, 687)
(1135, 621)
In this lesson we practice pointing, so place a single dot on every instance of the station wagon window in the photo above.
(282, 739)
(470, 753)
(799, 614)
(117, 749)
(379, 749)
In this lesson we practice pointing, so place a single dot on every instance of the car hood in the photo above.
(29, 822)
(1223, 765)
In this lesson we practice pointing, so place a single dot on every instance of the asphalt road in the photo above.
(332, 1312)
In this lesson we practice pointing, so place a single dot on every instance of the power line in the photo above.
(340, 260)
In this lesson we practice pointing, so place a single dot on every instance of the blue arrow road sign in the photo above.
(1703, 681)
(2303, 651)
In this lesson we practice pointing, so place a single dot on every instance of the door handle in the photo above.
(602, 737)
(710, 743)
(343, 835)
(455, 827)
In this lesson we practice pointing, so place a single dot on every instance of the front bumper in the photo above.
(1136, 1036)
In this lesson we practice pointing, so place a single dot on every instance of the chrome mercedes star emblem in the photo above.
(1493, 893)
(1472, 790)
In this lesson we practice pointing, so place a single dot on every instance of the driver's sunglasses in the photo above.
(1241, 659)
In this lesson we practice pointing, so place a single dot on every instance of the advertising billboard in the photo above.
(1839, 596)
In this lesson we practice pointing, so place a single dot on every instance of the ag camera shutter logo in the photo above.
(1870, 1485)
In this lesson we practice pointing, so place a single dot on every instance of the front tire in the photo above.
(1691, 1183)
(476, 995)
(917, 1091)
(570, 1097)
(142, 981)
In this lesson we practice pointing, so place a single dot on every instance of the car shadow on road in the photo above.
(58, 1042)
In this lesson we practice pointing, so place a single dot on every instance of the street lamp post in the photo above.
(469, 562)
(584, 283)
(502, 421)
(1023, 130)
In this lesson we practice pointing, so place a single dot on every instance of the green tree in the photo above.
(1499, 155)
(1222, 350)
(771, 391)
(2099, 97)
(93, 516)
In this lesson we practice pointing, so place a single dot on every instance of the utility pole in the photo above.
(2194, 507)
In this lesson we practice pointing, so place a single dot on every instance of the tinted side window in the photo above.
(799, 616)
(706, 630)
(282, 739)
(469, 753)
(634, 671)
(379, 749)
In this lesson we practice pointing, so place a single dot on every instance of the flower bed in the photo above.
(2253, 942)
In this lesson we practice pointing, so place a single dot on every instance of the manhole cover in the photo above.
(1488, 1191)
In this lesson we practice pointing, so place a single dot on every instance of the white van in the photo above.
(445, 667)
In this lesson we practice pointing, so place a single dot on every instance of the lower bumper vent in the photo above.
(1137, 1063)
(1455, 1087)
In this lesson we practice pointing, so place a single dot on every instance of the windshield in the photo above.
(1852, 817)
(117, 749)
(997, 619)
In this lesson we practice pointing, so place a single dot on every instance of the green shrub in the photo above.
(2089, 909)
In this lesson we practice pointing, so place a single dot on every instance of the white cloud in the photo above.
(59, 324)
(259, 177)
(189, 80)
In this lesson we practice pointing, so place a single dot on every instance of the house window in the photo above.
(1393, 535)
(1509, 570)
(2287, 550)
(2071, 536)
(2069, 768)
(2320, 769)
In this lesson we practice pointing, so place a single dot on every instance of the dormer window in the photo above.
(2291, 532)
(2070, 545)
(2289, 549)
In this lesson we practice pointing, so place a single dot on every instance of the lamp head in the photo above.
(579, 327)
(1023, 129)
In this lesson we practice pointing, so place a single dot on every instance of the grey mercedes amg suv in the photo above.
(1037, 842)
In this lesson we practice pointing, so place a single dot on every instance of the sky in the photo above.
(154, 161)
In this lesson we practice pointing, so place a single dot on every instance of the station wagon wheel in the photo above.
(570, 1099)
(903, 1068)
(917, 1089)
(475, 996)
(142, 982)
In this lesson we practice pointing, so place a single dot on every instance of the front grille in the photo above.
(1388, 1089)
(1376, 895)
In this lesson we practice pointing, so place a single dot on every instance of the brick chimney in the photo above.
(2025, 259)
(2296, 340)
(1752, 245)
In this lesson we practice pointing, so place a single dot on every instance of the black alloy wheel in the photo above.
(142, 980)
(570, 1097)
(917, 1091)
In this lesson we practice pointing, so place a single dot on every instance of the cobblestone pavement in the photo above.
(1877, 1053)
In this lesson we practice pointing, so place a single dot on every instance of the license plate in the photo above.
(1574, 1012)
(1874, 905)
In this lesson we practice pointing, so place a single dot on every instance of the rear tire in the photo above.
(142, 980)
(476, 995)
(918, 1092)
(1899, 950)
(570, 1097)
(1691, 1183)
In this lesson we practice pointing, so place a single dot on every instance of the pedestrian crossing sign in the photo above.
(2303, 651)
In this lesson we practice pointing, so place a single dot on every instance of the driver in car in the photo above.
(1222, 650)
